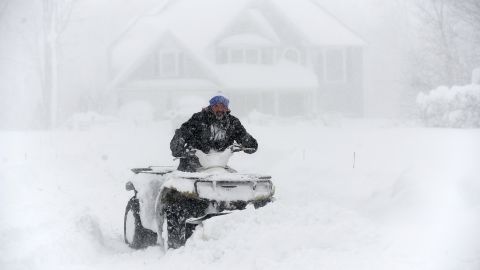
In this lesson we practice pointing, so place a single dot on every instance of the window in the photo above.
(335, 65)
(244, 55)
(169, 64)
(320, 65)
(147, 69)
(292, 55)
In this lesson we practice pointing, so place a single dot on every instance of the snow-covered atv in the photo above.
(165, 198)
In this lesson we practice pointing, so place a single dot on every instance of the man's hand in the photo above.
(238, 147)
(187, 152)
(249, 150)
(190, 151)
(177, 145)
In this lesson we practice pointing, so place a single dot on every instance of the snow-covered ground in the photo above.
(410, 201)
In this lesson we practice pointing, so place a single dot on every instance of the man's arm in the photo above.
(177, 144)
(244, 138)
(183, 137)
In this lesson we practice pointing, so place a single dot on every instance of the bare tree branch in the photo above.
(3, 8)
(65, 14)
(448, 50)
(467, 11)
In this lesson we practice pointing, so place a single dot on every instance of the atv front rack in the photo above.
(158, 170)
(241, 190)
(231, 184)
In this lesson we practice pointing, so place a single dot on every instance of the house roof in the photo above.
(318, 25)
(196, 25)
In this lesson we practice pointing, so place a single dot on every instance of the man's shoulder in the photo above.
(234, 119)
(199, 116)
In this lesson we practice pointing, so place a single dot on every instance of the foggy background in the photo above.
(366, 113)
(54, 55)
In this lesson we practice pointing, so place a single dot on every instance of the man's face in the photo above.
(219, 110)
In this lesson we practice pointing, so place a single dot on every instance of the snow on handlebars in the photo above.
(215, 158)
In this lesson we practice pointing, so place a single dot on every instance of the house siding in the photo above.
(345, 96)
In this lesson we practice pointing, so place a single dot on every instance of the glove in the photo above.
(177, 144)
(249, 150)
(190, 151)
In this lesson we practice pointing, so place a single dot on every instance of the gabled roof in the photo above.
(194, 22)
(196, 25)
(198, 22)
(138, 57)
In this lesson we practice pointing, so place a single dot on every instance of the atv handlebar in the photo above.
(238, 148)
(190, 151)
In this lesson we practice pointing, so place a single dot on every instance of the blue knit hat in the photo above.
(219, 99)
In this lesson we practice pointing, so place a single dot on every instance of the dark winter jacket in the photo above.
(203, 131)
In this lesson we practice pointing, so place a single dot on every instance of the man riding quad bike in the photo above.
(203, 186)
(214, 128)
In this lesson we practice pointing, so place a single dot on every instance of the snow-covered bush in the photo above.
(457, 107)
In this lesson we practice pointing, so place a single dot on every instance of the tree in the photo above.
(468, 11)
(56, 16)
(3, 7)
(447, 51)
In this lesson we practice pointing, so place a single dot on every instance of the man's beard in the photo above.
(220, 115)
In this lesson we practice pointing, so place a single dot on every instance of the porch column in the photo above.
(315, 101)
(276, 103)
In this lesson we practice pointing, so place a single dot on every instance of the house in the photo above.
(279, 57)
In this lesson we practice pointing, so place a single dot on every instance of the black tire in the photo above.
(134, 234)
(261, 203)
(178, 209)
(129, 226)
(176, 215)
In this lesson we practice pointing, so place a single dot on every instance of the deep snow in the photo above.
(410, 202)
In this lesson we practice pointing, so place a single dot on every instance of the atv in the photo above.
(168, 204)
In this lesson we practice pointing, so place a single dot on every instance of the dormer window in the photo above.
(292, 55)
(245, 48)
(244, 56)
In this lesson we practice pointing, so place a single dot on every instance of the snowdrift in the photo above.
(410, 202)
